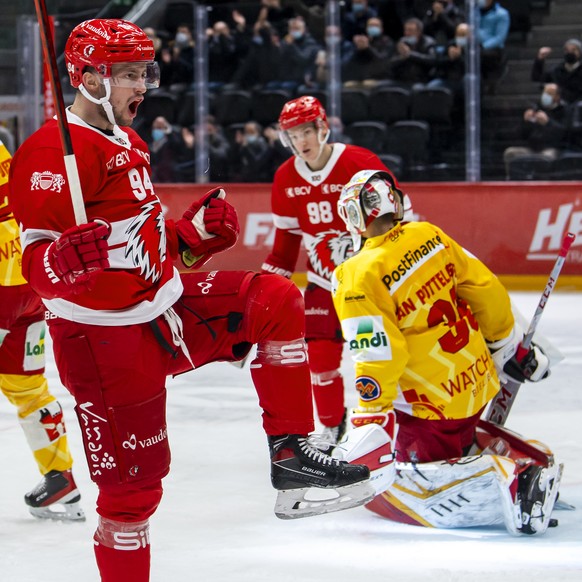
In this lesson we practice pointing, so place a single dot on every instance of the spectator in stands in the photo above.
(494, 25)
(263, 65)
(166, 150)
(242, 33)
(441, 20)
(218, 152)
(415, 56)
(253, 154)
(276, 14)
(370, 63)
(567, 75)
(279, 153)
(318, 80)
(449, 70)
(223, 55)
(313, 12)
(336, 128)
(177, 61)
(544, 128)
(355, 19)
(298, 50)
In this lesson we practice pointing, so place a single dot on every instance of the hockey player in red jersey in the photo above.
(122, 318)
(304, 204)
(22, 378)
(431, 331)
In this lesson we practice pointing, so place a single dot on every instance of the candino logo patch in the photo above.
(367, 339)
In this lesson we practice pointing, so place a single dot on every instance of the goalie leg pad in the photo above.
(466, 492)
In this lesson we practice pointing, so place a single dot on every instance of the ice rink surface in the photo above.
(216, 521)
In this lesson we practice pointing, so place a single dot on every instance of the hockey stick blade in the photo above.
(501, 404)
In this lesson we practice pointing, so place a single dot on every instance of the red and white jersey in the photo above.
(141, 282)
(304, 202)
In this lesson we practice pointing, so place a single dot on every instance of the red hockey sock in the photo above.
(328, 392)
(122, 551)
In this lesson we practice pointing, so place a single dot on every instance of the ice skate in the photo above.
(537, 492)
(333, 434)
(311, 482)
(56, 497)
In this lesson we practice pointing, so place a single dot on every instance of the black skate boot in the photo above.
(333, 434)
(311, 482)
(537, 491)
(56, 497)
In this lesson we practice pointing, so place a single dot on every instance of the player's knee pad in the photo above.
(324, 356)
(125, 444)
(275, 308)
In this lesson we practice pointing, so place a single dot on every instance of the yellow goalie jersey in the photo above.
(10, 249)
(415, 309)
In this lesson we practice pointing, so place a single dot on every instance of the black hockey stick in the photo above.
(501, 405)
(67, 145)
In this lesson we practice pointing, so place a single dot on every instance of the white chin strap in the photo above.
(104, 102)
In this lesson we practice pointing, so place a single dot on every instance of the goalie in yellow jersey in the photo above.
(22, 378)
(431, 330)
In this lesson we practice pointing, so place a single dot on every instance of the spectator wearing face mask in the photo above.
(415, 55)
(441, 20)
(370, 62)
(177, 61)
(298, 51)
(544, 128)
(567, 74)
(223, 55)
(449, 70)
(166, 150)
(356, 19)
(253, 154)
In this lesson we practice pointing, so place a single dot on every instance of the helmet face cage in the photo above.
(103, 43)
(367, 195)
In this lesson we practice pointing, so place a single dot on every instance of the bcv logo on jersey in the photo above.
(298, 191)
(331, 188)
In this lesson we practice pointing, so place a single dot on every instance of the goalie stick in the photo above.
(71, 168)
(500, 406)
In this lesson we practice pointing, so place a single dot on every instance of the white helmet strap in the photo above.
(104, 102)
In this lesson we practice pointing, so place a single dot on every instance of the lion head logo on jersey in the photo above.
(328, 250)
(146, 243)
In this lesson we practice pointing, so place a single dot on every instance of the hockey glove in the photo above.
(513, 362)
(79, 254)
(209, 226)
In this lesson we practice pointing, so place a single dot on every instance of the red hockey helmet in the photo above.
(301, 110)
(101, 43)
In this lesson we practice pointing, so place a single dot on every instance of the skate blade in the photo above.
(562, 505)
(311, 501)
(59, 512)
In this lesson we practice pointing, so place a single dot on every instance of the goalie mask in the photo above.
(368, 195)
(101, 44)
(302, 110)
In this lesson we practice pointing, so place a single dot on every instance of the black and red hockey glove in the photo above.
(209, 226)
(79, 254)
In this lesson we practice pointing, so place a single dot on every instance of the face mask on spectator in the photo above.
(411, 40)
(482, 3)
(258, 39)
(461, 41)
(373, 31)
(296, 34)
(546, 100)
(357, 8)
(251, 138)
(158, 134)
(182, 39)
(570, 58)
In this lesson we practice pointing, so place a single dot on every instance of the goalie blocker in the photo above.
(505, 481)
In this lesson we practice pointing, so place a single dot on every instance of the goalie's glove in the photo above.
(209, 226)
(79, 254)
(514, 362)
